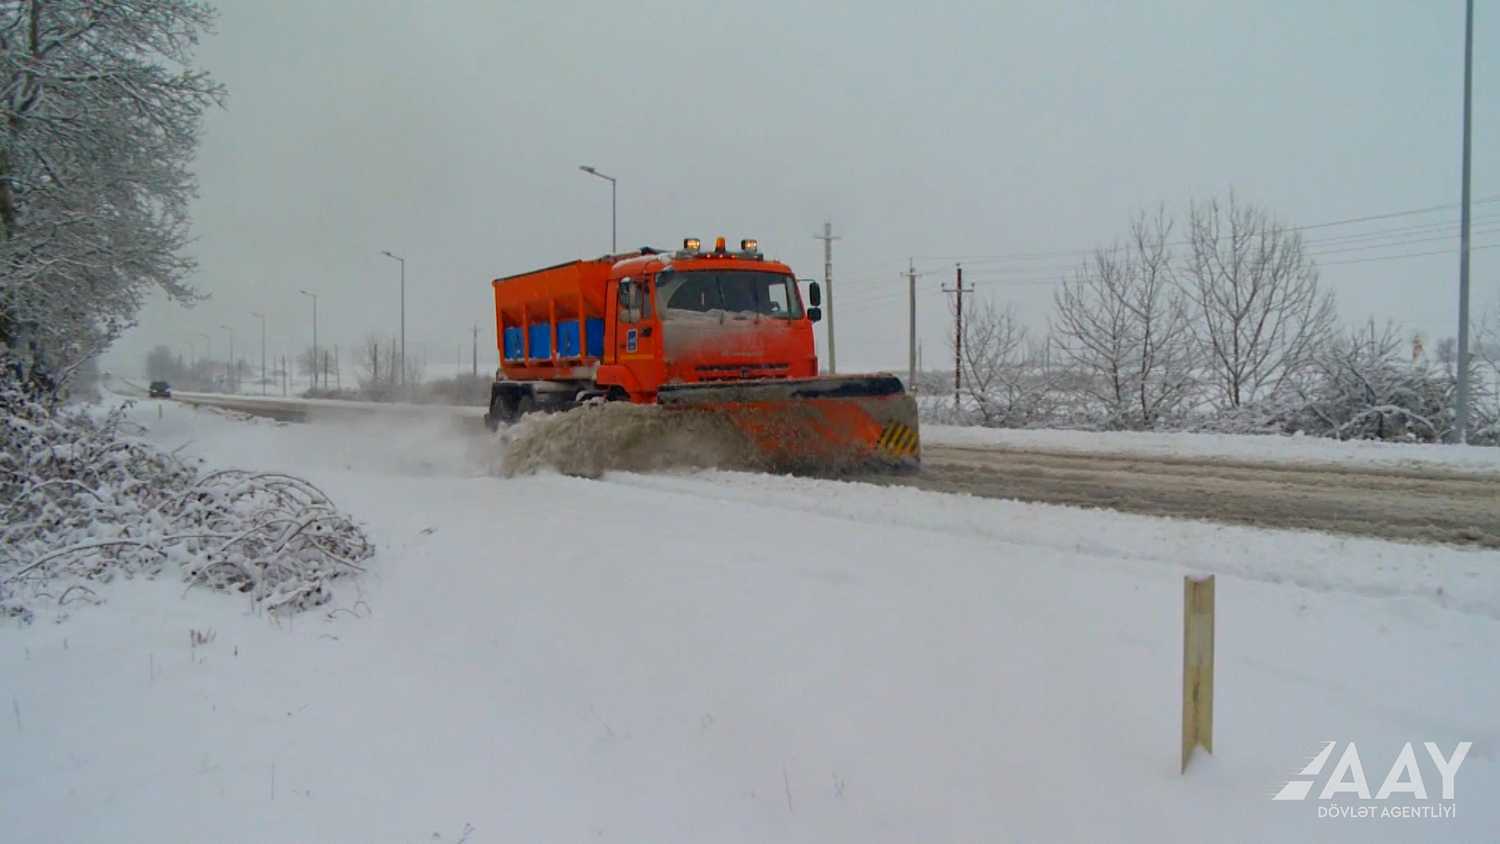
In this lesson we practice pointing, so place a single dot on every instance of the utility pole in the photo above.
(828, 239)
(911, 337)
(958, 335)
(315, 360)
(262, 318)
(1461, 412)
(476, 350)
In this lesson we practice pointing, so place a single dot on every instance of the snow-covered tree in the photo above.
(162, 365)
(101, 109)
(1364, 385)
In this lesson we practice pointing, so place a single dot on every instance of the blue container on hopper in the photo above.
(541, 340)
(514, 347)
(567, 339)
(593, 330)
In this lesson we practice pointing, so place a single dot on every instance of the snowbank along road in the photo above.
(1414, 503)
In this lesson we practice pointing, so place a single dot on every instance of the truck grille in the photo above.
(740, 371)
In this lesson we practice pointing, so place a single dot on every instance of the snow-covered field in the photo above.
(1249, 447)
(729, 657)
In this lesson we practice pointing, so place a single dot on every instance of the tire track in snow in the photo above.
(1411, 505)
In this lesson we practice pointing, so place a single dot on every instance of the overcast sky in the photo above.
(451, 132)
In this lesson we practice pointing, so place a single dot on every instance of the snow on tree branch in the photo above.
(88, 503)
(100, 110)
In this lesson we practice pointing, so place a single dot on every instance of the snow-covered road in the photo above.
(726, 657)
(1410, 492)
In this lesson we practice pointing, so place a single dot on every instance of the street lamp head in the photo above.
(306, 293)
(387, 253)
(594, 171)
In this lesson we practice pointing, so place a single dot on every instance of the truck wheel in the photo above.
(524, 404)
(496, 413)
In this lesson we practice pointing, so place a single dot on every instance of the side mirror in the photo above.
(814, 294)
(814, 313)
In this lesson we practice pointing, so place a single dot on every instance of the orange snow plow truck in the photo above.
(719, 332)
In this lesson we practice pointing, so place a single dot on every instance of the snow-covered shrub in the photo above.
(83, 502)
(1364, 387)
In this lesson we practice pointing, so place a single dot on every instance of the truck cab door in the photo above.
(637, 336)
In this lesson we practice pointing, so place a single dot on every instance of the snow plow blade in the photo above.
(829, 425)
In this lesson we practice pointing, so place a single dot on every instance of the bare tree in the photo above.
(309, 362)
(1486, 334)
(1092, 328)
(370, 371)
(1259, 314)
(1123, 322)
(997, 367)
(1447, 353)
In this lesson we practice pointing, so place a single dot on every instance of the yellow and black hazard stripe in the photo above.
(897, 440)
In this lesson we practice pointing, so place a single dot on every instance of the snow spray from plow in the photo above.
(749, 432)
(616, 436)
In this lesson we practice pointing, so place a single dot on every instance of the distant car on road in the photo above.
(161, 390)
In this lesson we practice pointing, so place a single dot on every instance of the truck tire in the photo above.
(502, 409)
(524, 405)
(508, 405)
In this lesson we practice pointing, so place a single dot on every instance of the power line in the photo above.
(1392, 243)
(1311, 252)
(1352, 243)
(1063, 253)
(1409, 255)
(1043, 280)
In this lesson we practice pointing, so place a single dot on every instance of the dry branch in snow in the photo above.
(87, 503)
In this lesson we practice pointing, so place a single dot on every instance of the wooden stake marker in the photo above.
(1197, 665)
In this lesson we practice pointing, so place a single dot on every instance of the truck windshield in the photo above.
(736, 292)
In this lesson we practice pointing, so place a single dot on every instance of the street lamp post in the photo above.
(262, 318)
(231, 376)
(315, 336)
(592, 172)
(1461, 410)
(402, 260)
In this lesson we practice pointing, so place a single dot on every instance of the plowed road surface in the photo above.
(1407, 504)
(1417, 505)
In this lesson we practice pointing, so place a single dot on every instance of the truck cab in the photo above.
(694, 316)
